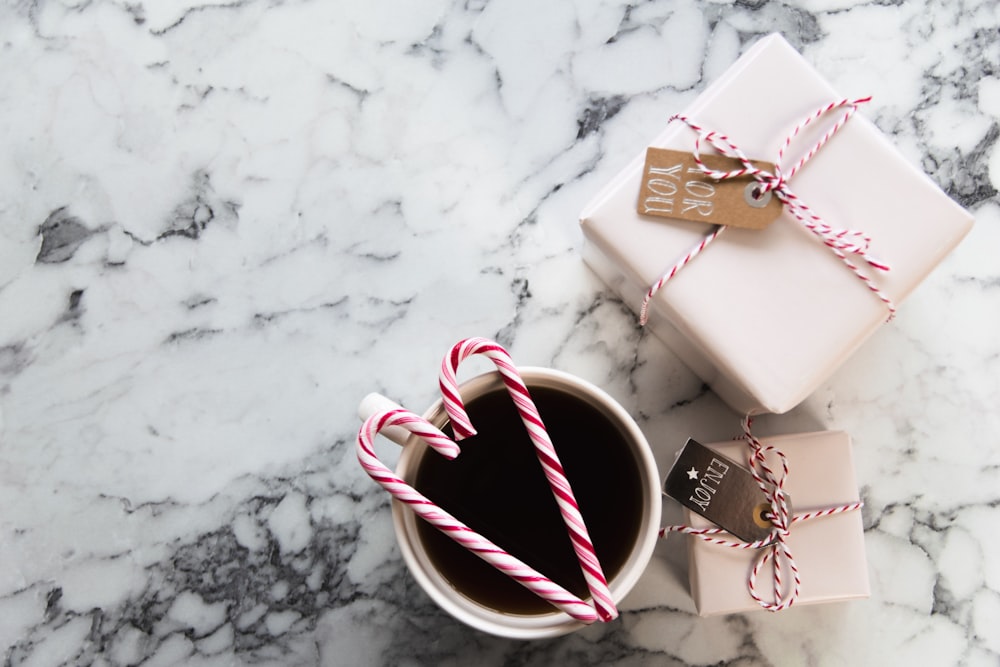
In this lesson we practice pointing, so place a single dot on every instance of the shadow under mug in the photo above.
(428, 575)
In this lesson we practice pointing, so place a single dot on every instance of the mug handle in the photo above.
(374, 403)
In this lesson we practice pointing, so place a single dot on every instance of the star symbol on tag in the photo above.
(693, 473)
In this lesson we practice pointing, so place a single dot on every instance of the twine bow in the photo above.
(777, 551)
(843, 243)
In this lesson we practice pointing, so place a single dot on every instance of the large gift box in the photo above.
(765, 316)
(828, 551)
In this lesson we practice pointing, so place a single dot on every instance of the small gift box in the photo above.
(766, 315)
(827, 547)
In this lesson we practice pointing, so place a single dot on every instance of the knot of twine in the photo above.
(772, 485)
(843, 243)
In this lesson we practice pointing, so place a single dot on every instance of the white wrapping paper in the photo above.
(765, 316)
(829, 551)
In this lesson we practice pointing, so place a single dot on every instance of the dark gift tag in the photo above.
(721, 490)
(674, 186)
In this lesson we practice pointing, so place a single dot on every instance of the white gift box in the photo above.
(764, 317)
(829, 551)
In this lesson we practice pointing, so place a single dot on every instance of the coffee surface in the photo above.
(497, 487)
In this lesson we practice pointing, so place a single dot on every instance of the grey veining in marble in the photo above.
(222, 224)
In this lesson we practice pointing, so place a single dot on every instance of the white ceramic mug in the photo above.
(463, 608)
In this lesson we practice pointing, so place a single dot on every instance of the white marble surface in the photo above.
(222, 224)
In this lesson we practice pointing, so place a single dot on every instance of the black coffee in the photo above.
(496, 486)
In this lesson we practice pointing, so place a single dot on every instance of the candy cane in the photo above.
(561, 490)
(426, 509)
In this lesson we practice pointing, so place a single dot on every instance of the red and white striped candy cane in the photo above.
(561, 489)
(427, 510)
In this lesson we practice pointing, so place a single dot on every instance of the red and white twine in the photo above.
(777, 552)
(841, 242)
(603, 606)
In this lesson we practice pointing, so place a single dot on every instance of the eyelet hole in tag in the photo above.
(761, 515)
(753, 197)
(721, 490)
(674, 186)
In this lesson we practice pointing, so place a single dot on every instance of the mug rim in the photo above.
(534, 626)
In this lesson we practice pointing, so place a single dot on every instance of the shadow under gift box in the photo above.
(829, 551)
(764, 317)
